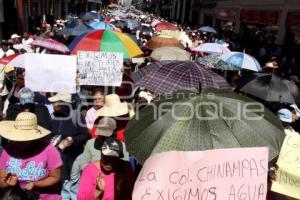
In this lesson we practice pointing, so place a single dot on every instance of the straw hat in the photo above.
(25, 128)
(270, 65)
(61, 96)
(113, 107)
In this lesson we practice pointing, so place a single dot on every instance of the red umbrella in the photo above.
(7, 59)
(51, 45)
(165, 26)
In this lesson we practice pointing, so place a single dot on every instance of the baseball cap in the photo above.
(285, 115)
(106, 127)
(14, 36)
(25, 96)
(112, 147)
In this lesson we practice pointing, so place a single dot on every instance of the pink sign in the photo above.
(224, 174)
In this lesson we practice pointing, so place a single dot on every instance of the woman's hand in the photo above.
(11, 179)
(100, 182)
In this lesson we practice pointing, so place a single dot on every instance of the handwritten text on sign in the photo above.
(100, 68)
(288, 173)
(227, 174)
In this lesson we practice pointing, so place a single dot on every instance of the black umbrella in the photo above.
(120, 23)
(75, 28)
(269, 87)
(146, 30)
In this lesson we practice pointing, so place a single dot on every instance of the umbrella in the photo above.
(176, 75)
(118, 13)
(105, 41)
(170, 53)
(163, 41)
(101, 26)
(75, 28)
(89, 16)
(212, 48)
(241, 60)
(213, 119)
(7, 59)
(51, 44)
(139, 75)
(119, 23)
(165, 26)
(208, 29)
(155, 22)
(146, 30)
(133, 24)
(213, 61)
(269, 87)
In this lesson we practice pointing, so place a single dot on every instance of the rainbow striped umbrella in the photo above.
(106, 41)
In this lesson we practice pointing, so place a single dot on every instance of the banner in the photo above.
(288, 173)
(50, 73)
(224, 174)
(100, 68)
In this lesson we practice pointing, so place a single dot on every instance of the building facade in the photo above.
(275, 15)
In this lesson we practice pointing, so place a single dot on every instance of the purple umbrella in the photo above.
(176, 75)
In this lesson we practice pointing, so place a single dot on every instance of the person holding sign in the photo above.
(109, 179)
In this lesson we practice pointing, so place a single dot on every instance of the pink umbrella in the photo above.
(51, 45)
(155, 22)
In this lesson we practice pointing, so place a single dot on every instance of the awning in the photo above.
(293, 19)
(269, 17)
(226, 15)
(95, 1)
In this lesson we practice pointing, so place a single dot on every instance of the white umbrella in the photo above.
(208, 29)
(241, 60)
(170, 53)
(212, 48)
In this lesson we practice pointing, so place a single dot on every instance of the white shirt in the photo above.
(7, 53)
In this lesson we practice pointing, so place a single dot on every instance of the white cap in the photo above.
(14, 36)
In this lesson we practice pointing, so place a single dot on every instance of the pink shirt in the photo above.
(88, 184)
(90, 117)
(33, 168)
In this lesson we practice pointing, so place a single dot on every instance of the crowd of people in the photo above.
(52, 150)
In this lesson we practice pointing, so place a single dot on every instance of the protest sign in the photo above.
(225, 174)
(100, 68)
(50, 73)
(288, 172)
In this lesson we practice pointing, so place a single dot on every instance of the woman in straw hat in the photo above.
(28, 160)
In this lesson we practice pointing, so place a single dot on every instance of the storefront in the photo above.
(225, 18)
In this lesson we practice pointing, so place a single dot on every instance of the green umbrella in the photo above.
(188, 121)
(213, 61)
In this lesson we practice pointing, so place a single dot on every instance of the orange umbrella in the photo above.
(163, 41)
(165, 26)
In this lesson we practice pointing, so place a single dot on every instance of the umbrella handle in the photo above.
(200, 88)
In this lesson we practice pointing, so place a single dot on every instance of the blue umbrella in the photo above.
(89, 16)
(101, 26)
(242, 61)
(208, 29)
(133, 24)
(75, 28)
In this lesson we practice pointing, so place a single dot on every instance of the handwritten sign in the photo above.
(288, 173)
(225, 174)
(50, 73)
(100, 68)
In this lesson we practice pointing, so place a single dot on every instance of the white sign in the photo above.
(50, 73)
(100, 68)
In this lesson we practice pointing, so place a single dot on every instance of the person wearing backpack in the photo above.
(68, 125)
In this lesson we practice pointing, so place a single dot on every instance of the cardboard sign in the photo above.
(288, 173)
(50, 73)
(100, 68)
(225, 174)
